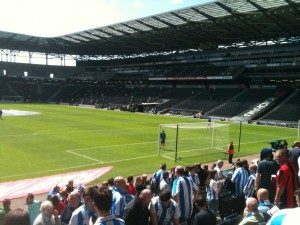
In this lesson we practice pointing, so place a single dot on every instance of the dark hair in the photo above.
(17, 217)
(89, 191)
(54, 199)
(110, 181)
(129, 179)
(201, 201)
(239, 163)
(163, 166)
(165, 195)
(211, 175)
(102, 198)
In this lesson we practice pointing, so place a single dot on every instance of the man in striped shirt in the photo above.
(239, 177)
(121, 197)
(84, 213)
(184, 192)
(249, 189)
(163, 209)
(193, 175)
(103, 201)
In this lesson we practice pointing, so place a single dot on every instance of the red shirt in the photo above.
(230, 149)
(287, 178)
(131, 189)
(59, 207)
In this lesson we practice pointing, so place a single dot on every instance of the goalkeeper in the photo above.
(163, 138)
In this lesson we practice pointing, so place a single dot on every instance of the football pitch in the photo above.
(63, 139)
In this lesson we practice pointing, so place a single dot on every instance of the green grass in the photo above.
(63, 139)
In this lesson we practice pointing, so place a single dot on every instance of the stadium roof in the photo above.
(202, 27)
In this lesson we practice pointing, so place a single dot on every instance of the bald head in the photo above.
(262, 194)
(251, 204)
(145, 197)
(120, 183)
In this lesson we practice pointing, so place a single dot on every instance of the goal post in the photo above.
(193, 139)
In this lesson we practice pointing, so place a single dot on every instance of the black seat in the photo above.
(226, 207)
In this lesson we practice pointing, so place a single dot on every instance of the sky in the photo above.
(50, 18)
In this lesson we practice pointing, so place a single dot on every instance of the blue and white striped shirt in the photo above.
(195, 178)
(239, 177)
(119, 202)
(249, 189)
(109, 220)
(165, 214)
(211, 190)
(184, 187)
(81, 216)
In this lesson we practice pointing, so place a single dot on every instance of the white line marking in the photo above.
(84, 156)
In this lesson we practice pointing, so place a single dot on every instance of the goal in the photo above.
(12, 98)
(185, 140)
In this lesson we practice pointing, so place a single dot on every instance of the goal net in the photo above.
(12, 98)
(185, 140)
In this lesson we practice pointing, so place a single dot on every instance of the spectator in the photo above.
(218, 168)
(228, 185)
(246, 166)
(57, 203)
(74, 200)
(145, 180)
(33, 208)
(104, 184)
(121, 197)
(205, 215)
(102, 199)
(184, 191)
(253, 216)
(64, 197)
(86, 211)
(249, 189)
(48, 215)
(286, 181)
(193, 175)
(165, 182)
(54, 191)
(163, 209)
(139, 185)
(265, 169)
(212, 190)
(111, 184)
(131, 188)
(264, 204)
(17, 217)
(4, 210)
(156, 178)
(239, 177)
(70, 186)
(202, 174)
(137, 213)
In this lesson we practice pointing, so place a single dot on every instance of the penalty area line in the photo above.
(84, 156)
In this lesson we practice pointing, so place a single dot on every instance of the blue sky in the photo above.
(50, 18)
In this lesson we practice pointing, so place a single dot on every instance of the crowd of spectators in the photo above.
(268, 189)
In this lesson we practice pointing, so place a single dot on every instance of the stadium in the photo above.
(236, 62)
